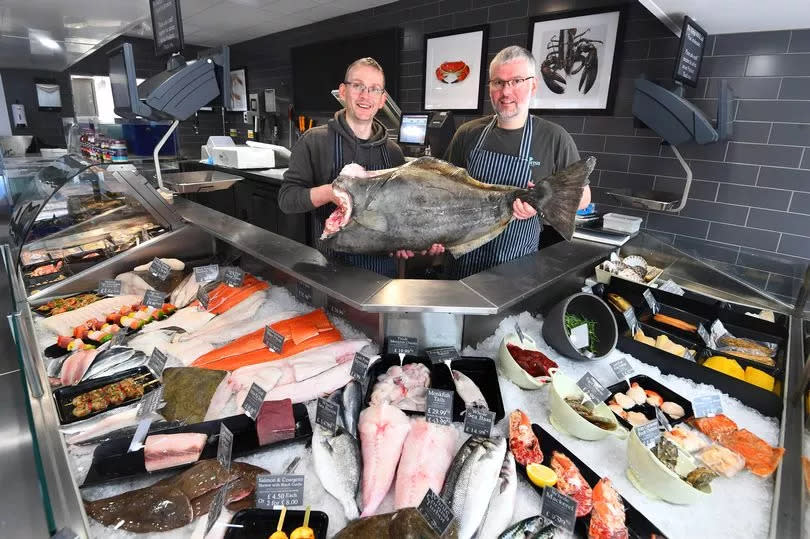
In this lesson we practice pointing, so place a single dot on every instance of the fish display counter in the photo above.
(238, 384)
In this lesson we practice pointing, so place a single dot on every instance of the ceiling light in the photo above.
(48, 43)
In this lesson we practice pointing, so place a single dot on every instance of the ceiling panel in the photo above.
(733, 16)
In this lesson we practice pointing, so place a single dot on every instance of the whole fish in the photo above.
(150, 509)
(337, 464)
(383, 429)
(468, 391)
(113, 361)
(430, 201)
(475, 483)
(101, 424)
(535, 527)
(456, 465)
(351, 403)
(502, 505)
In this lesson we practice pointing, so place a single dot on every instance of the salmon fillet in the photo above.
(760, 458)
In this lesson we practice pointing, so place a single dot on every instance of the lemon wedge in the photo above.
(540, 475)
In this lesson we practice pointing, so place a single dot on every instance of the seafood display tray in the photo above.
(648, 410)
(111, 461)
(38, 312)
(637, 524)
(260, 523)
(64, 395)
(481, 370)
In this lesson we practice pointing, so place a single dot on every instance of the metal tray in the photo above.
(199, 181)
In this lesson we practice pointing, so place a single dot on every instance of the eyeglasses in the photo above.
(359, 88)
(498, 84)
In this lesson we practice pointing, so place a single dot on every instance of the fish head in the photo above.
(350, 192)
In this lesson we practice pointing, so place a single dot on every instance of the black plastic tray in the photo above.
(647, 317)
(637, 524)
(37, 312)
(649, 383)
(650, 331)
(481, 370)
(260, 523)
(111, 461)
(775, 372)
(779, 358)
(64, 395)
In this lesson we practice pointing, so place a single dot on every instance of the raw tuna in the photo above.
(275, 422)
(163, 451)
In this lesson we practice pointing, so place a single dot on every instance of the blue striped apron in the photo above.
(384, 265)
(521, 237)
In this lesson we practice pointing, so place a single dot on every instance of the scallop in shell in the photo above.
(635, 261)
(630, 274)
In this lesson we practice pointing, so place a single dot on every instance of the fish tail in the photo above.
(557, 197)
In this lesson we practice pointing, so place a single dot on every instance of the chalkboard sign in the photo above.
(167, 26)
(436, 512)
(439, 406)
(109, 287)
(273, 490)
(690, 52)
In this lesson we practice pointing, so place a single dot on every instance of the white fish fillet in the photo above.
(426, 456)
(189, 318)
(183, 354)
(132, 283)
(383, 430)
(219, 399)
(185, 292)
(123, 418)
(267, 379)
(502, 505)
(312, 388)
(233, 317)
(76, 365)
(147, 342)
(63, 324)
(313, 362)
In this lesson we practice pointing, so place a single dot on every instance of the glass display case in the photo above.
(70, 214)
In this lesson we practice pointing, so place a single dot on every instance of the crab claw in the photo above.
(554, 81)
(589, 74)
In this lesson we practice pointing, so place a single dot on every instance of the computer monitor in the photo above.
(124, 85)
(413, 129)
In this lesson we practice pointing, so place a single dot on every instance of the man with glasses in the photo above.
(352, 136)
(510, 148)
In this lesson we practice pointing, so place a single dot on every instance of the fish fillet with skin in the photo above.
(163, 451)
(120, 418)
(426, 455)
(245, 311)
(63, 324)
(383, 430)
(312, 388)
(188, 319)
(76, 365)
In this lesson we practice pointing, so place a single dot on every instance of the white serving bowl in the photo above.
(515, 372)
(566, 419)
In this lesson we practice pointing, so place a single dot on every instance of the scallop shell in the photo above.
(630, 275)
(635, 261)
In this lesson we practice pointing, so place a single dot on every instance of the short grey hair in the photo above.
(511, 53)
(367, 61)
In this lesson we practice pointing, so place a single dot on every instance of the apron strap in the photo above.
(483, 135)
(526, 141)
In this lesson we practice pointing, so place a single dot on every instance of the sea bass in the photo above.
(337, 464)
(502, 505)
(383, 430)
(472, 487)
(426, 456)
(430, 201)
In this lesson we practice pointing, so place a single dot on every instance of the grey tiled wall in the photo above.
(750, 201)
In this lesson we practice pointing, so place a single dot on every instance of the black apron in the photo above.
(521, 237)
(382, 264)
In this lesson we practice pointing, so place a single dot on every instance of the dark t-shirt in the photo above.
(552, 148)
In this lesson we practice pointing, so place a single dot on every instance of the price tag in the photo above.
(519, 332)
(160, 269)
(149, 403)
(648, 295)
(403, 345)
(360, 367)
(326, 414)
(579, 337)
(216, 508)
(272, 490)
(153, 298)
(622, 369)
(478, 421)
(559, 509)
(687, 354)
(234, 277)
(630, 318)
(118, 338)
(649, 433)
(439, 406)
(595, 391)
(225, 446)
(707, 406)
(206, 274)
(440, 355)
(202, 297)
(109, 287)
(335, 308)
(662, 418)
(253, 401)
(157, 362)
(303, 292)
(436, 512)
(273, 339)
(704, 334)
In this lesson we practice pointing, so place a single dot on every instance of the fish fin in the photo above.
(372, 220)
(461, 249)
(440, 167)
(557, 197)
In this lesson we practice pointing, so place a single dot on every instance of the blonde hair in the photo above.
(367, 61)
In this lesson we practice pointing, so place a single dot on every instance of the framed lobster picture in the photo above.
(577, 53)
(455, 70)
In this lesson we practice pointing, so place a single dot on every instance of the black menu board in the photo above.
(167, 26)
(690, 52)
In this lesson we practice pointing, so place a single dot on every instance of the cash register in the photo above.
(420, 132)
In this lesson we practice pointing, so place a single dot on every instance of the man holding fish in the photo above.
(511, 148)
(352, 136)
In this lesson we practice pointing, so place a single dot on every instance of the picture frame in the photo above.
(49, 95)
(455, 69)
(239, 92)
(585, 83)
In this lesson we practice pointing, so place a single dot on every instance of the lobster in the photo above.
(571, 53)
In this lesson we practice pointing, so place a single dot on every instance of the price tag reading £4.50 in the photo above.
(272, 490)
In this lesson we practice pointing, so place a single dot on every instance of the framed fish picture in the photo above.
(577, 57)
(455, 69)
(239, 97)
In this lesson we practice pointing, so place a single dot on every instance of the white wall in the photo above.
(5, 124)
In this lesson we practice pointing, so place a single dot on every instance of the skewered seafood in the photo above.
(109, 395)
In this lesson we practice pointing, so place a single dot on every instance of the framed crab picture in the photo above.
(576, 52)
(454, 69)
